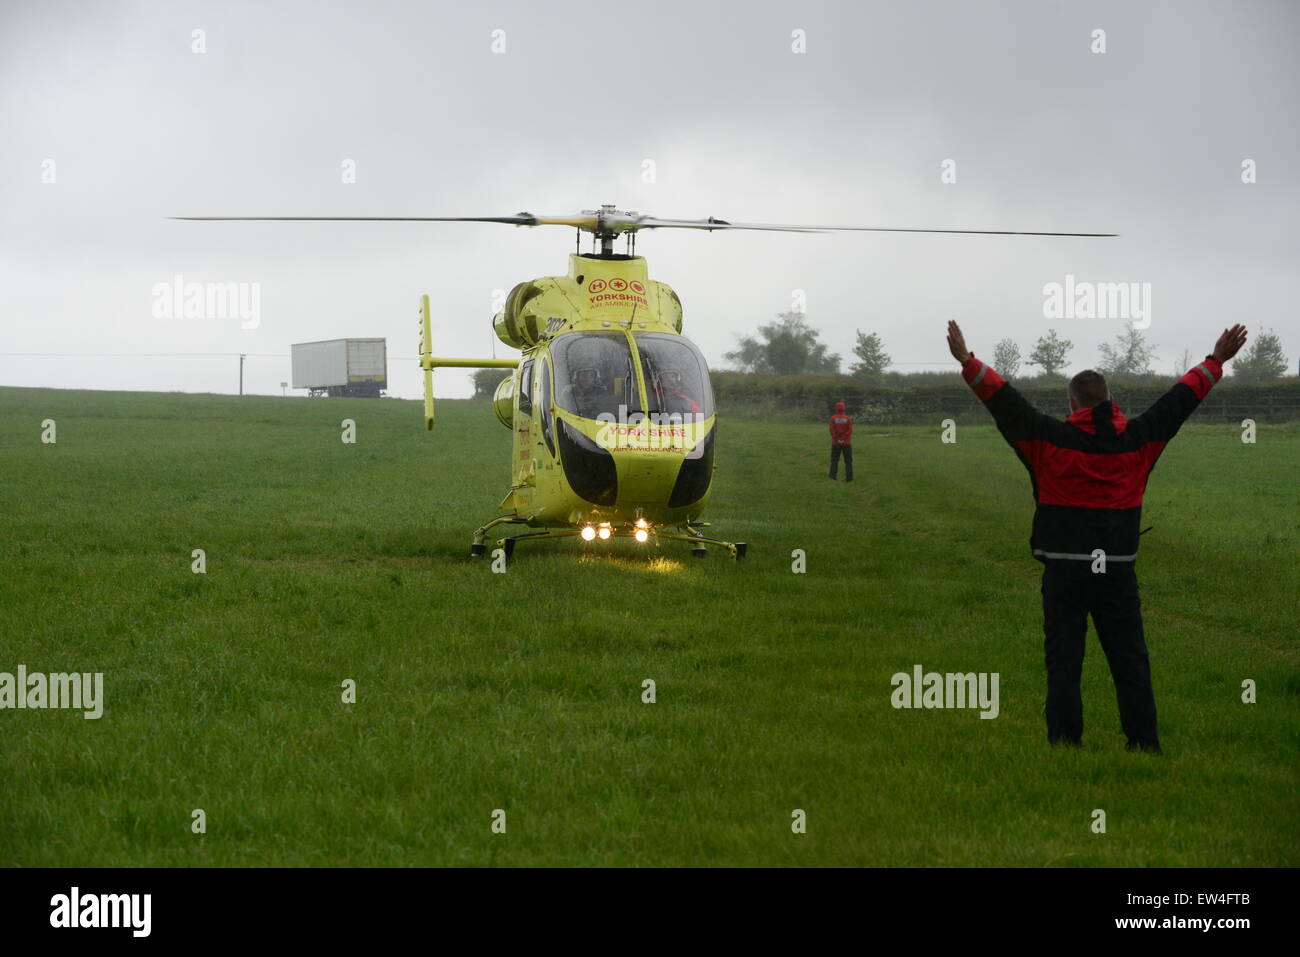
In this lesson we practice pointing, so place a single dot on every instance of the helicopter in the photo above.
(610, 406)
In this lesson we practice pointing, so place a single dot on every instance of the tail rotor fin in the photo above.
(429, 362)
(426, 360)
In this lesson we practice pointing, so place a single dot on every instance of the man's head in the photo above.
(670, 379)
(586, 379)
(839, 408)
(1087, 389)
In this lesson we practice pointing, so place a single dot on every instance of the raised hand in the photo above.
(957, 342)
(1230, 343)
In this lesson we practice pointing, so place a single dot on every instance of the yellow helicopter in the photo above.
(610, 406)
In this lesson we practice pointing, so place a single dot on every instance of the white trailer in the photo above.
(352, 367)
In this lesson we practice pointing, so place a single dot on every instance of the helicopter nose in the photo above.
(645, 476)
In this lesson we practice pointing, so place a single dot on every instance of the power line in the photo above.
(162, 355)
(142, 355)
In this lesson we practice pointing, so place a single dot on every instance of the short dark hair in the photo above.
(1089, 388)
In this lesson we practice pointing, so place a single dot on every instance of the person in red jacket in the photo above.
(670, 397)
(1088, 475)
(841, 442)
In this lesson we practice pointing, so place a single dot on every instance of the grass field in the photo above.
(523, 691)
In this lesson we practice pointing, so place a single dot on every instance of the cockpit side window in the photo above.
(526, 388)
(544, 400)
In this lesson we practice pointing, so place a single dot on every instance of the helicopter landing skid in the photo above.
(508, 543)
(689, 533)
(477, 547)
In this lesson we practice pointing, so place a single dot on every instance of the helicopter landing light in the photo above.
(641, 535)
(642, 523)
(588, 533)
(603, 532)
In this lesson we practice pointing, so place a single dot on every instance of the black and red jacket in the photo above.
(1090, 470)
(841, 427)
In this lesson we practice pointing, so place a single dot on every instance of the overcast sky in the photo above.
(1146, 140)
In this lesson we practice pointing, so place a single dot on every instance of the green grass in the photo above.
(522, 691)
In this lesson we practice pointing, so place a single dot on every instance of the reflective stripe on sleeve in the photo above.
(983, 369)
(1208, 374)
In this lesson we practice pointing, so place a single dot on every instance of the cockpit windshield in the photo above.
(676, 377)
(595, 376)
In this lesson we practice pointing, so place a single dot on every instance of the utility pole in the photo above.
(241, 373)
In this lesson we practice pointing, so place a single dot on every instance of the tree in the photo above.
(1130, 356)
(872, 360)
(1182, 363)
(1262, 361)
(788, 346)
(487, 380)
(1050, 353)
(1006, 358)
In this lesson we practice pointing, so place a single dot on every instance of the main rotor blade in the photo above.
(587, 221)
(651, 222)
(523, 219)
(710, 224)
(623, 223)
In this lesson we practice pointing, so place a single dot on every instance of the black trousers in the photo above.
(1071, 592)
(847, 452)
